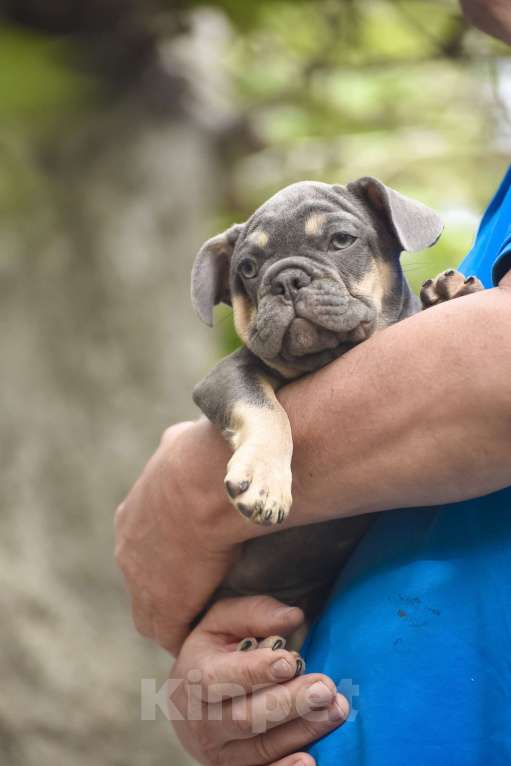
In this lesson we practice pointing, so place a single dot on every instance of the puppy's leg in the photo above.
(239, 397)
(446, 286)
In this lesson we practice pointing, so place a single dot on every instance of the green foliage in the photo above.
(400, 90)
(334, 89)
(40, 93)
(36, 80)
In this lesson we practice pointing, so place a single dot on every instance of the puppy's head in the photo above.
(314, 270)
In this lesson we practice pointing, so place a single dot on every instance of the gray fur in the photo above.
(415, 225)
(210, 273)
(309, 306)
(335, 315)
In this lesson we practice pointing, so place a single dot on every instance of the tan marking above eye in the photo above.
(314, 223)
(259, 238)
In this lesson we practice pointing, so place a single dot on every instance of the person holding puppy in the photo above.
(418, 415)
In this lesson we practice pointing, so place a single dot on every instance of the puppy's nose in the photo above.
(289, 281)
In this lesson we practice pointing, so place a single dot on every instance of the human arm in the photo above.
(420, 414)
(491, 16)
(417, 415)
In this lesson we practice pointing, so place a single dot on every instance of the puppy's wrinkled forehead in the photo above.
(336, 227)
(303, 210)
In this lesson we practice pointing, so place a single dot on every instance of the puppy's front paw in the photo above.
(259, 485)
(274, 643)
(446, 286)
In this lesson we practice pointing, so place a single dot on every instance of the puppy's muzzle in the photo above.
(289, 281)
(290, 275)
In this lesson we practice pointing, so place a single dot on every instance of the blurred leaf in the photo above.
(36, 78)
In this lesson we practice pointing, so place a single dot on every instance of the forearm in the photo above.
(491, 16)
(420, 414)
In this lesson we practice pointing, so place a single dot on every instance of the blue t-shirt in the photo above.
(417, 633)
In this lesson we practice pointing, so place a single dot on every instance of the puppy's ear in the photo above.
(210, 272)
(415, 225)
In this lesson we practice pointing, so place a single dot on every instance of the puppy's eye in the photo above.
(341, 240)
(248, 268)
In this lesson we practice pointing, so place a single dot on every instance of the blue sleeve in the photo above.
(490, 257)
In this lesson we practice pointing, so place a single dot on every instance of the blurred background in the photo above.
(129, 132)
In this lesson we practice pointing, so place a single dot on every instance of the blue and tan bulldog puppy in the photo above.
(312, 273)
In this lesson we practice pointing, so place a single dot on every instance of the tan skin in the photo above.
(418, 442)
(418, 415)
(231, 732)
(178, 535)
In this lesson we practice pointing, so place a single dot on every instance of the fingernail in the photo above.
(320, 693)
(289, 612)
(339, 712)
(282, 669)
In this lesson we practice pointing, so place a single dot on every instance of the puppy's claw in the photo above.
(270, 517)
(272, 642)
(247, 644)
(300, 664)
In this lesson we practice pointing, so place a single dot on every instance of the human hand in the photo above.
(231, 708)
(177, 534)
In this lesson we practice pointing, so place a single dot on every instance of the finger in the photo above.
(234, 674)
(251, 616)
(172, 432)
(297, 759)
(274, 706)
(289, 738)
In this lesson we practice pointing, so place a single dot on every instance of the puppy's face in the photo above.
(314, 271)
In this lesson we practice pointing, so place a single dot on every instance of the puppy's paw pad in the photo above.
(446, 286)
(236, 488)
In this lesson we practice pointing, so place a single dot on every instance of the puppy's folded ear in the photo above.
(210, 272)
(415, 225)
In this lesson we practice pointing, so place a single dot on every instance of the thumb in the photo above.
(251, 616)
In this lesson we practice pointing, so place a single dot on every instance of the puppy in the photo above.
(312, 273)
